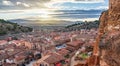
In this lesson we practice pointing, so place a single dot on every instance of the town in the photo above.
(42, 48)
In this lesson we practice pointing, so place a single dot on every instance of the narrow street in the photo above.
(73, 62)
(31, 63)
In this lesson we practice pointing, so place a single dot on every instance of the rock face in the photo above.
(110, 29)
(114, 12)
(110, 19)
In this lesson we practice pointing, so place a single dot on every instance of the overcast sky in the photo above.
(9, 9)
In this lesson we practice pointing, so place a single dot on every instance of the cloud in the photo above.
(18, 3)
(22, 4)
(11, 11)
(58, 4)
(33, 3)
(8, 3)
(88, 1)
(102, 7)
(28, 4)
(78, 1)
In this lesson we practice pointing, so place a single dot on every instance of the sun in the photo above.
(42, 13)
(45, 14)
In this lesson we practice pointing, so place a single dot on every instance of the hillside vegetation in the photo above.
(81, 25)
(7, 27)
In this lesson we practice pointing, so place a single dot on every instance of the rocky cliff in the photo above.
(110, 19)
(110, 30)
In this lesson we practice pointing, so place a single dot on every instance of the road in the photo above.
(73, 62)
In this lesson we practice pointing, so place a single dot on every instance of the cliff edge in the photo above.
(110, 30)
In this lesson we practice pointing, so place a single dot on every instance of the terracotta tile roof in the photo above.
(7, 64)
(20, 56)
(54, 58)
(9, 46)
(86, 36)
(63, 52)
(3, 42)
(10, 53)
(3, 56)
(47, 52)
(75, 43)
(42, 59)
(16, 41)
(70, 48)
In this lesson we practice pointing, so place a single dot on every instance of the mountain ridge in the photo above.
(80, 25)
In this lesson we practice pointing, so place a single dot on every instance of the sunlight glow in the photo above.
(44, 16)
(42, 13)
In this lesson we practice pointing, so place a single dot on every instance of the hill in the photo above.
(7, 27)
(80, 25)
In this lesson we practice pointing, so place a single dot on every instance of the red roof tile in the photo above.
(63, 52)
(75, 43)
(54, 58)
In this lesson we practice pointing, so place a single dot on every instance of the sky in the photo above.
(50, 10)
